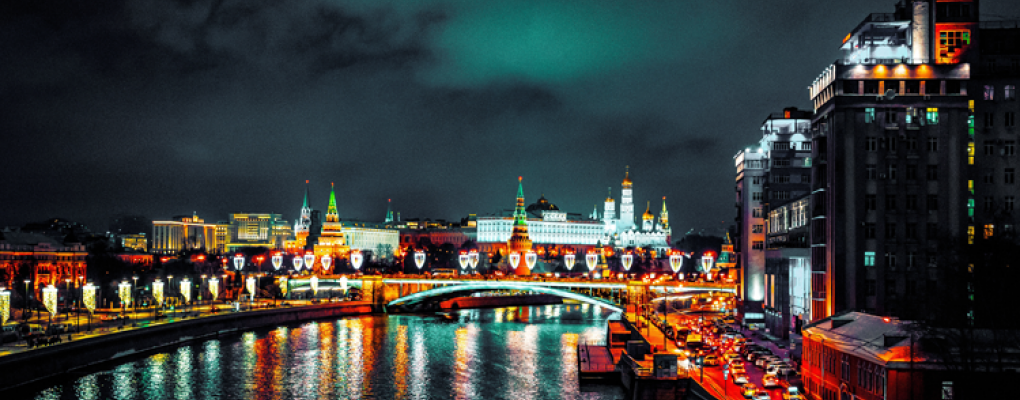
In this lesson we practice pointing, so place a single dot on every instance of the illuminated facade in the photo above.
(336, 238)
(137, 242)
(183, 233)
(255, 230)
(39, 258)
(750, 241)
(890, 160)
(551, 227)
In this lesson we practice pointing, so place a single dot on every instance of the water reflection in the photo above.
(512, 353)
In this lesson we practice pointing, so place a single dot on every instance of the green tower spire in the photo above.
(520, 217)
(332, 215)
(305, 205)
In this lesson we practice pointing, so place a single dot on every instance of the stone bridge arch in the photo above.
(435, 294)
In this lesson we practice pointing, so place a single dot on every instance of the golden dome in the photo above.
(648, 215)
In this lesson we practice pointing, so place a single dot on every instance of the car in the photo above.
(738, 368)
(764, 360)
(711, 360)
(748, 390)
(740, 378)
(56, 329)
(761, 395)
(770, 381)
(780, 368)
(792, 393)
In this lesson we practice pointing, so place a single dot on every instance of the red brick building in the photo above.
(42, 259)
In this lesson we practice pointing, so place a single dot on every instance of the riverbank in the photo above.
(25, 367)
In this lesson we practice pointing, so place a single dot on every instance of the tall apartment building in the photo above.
(750, 232)
(890, 160)
(771, 175)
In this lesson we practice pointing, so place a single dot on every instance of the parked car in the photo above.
(764, 360)
(740, 378)
(761, 395)
(770, 381)
(780, 368)
(792, 393)
(737, 368)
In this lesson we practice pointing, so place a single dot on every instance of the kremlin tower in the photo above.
(303, 225)
(519, 240)
(626, 221)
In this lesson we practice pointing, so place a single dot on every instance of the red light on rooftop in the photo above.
(886, 319)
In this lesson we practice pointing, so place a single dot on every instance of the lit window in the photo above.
(989, 92)
(970, 208)
(989, 231)
(869, 115)
(932, 116)
(970, 234)
(869, 258)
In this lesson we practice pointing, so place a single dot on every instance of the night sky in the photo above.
(161, 108)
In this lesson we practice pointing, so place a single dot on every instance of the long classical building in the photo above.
(39, 258)
(548, 225)
(337, 237)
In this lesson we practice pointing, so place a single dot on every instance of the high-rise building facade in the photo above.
(750, 231)
(890, 159)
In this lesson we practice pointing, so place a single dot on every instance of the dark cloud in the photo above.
(162, 107)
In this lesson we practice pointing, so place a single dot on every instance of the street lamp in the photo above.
(250, 283)
(214, 289)
(676, 261)
(314, 283)
(238, 262)
(473, 257)
(50, 300)
(628, 260)
(310, 261)
(530, 259)
(134, 292)
(515, 258)
(23, 314)
(5, 305)
(186, 290)
(357, 258)
(277, 261)
(125, 295)
(88, 295)
(592, 259)
(419, 259)
(297, 261)
(157, 293)
(464, 260)
(568, 260)
(326, 262)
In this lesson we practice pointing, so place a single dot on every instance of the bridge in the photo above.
(404, 292)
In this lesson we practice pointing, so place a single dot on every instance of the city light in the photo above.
(568, 261)
(530, 258)
(297, 263)
(310, 260)
(592, 259)
(464, 260)
(676, 261)
(357, 258)
(706, 262)
(283, 285)
(88, 294)
(238, 262)
(5, 306)
(473, 257)
(314, 284)
(326, 261)
(277, 261)
(250, 284)
(125, 293)
(50, 298)
(515, 258)
(186, 290)
(419, 258)
(214, 287)
(628, 260)
(157, 291)
(343, 283)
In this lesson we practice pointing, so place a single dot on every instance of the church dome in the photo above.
(648, 214)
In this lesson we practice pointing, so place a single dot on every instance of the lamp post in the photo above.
(88, 296)
(24, 310)
(464, 260)
(357, 258)
(326, 261)
(592, 260)
(419, 259)
(157, 293)
(515, 258)
(568, 261)
(628, 260)
(5, 305)
(134, 294)
(310, 261)
(473, 258)
(250, 283)
(186, 290)
(530, 259)
(277, 260)
(204, 282)
(50, 300)
(125, 295)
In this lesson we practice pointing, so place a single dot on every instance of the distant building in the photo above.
(40, 258)
(255, 230)
(183, 233)
(137, 242)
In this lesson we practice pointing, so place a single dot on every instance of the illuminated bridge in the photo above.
(413, 293)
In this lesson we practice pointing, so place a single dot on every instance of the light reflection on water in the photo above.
(511, 353)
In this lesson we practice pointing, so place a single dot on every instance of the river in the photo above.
(503, 353)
